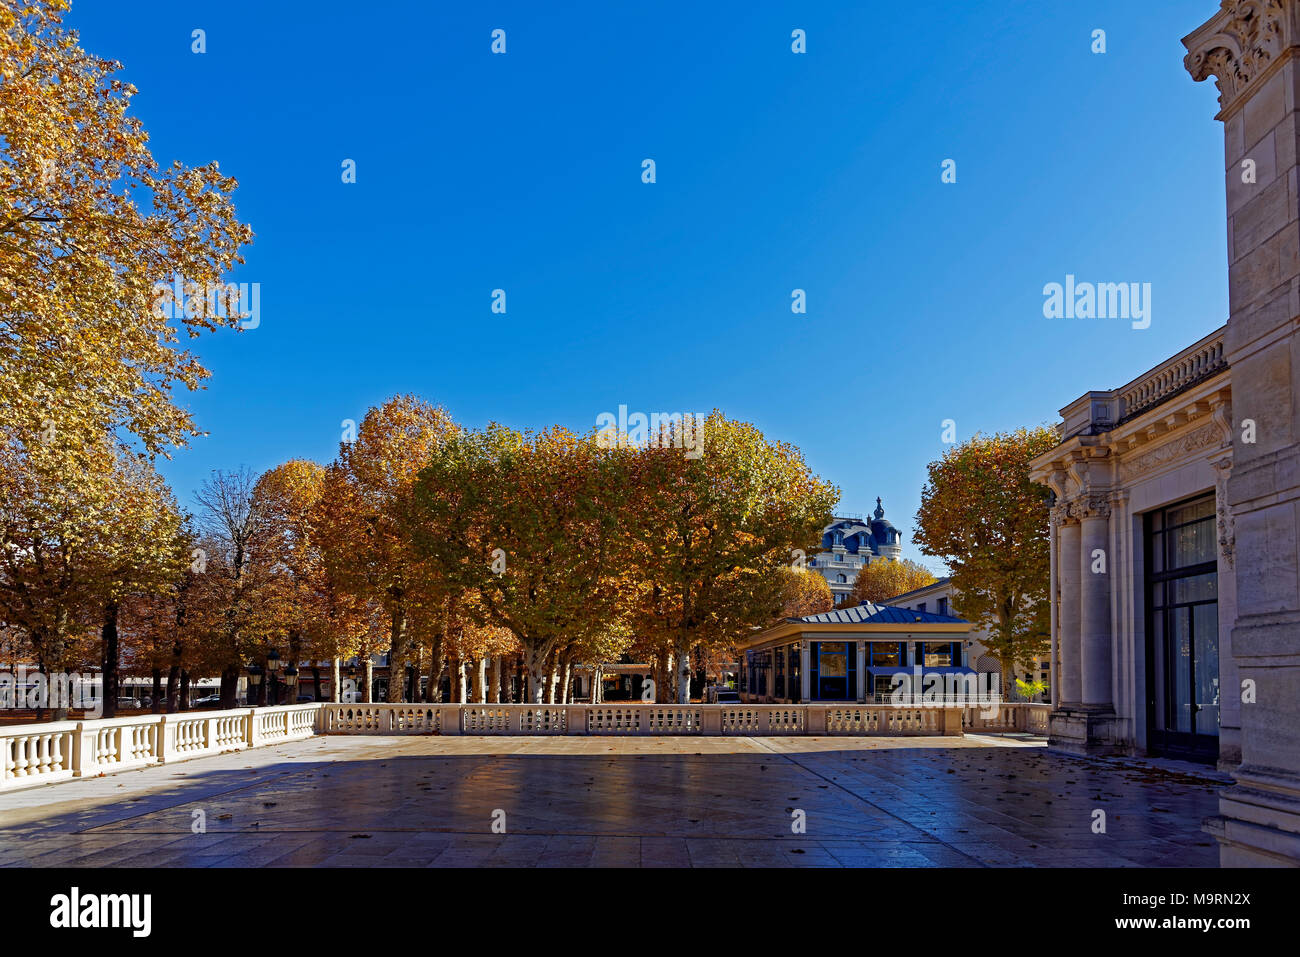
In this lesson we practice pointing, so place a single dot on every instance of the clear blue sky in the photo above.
(775, 171)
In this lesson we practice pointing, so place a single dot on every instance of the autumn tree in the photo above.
(318, 617)
(716, 532)
(74, 544)
(363, 527)
(233, 602)
(804, 593)
(533, 524)
(883, 579)
(983, 516)
(89, 223)
(142, 550)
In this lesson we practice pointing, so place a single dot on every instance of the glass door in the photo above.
(1182, 631)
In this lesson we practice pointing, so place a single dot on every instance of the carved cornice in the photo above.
(1240, 45)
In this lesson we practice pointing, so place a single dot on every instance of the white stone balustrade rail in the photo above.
(44, 753)
(1194, 364)
(639, 719)
(1027, 716)
(32, 754)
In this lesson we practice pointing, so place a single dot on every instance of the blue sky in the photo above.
(775, 171)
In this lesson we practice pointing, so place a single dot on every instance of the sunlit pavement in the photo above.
(359, 801)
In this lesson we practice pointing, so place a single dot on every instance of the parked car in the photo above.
(726, 696)
(127, 703)
(206, 700)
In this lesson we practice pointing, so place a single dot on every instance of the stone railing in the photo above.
(44, 753)
(638, 719)
(1027, 716)
(1195, 363)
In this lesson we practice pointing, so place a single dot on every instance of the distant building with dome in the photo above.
(851, 542)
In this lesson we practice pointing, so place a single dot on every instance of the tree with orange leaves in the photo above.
(982, 515)
(363, 526)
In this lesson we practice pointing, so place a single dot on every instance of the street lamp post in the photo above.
(254, 682)
(273, 669)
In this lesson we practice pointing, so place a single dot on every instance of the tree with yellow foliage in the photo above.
(882, 579)
(89, 223)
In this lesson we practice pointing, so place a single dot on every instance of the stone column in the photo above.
(805, 671)
(1068, 566)
(1053, 573)
(1250, 47)
(1094, 604)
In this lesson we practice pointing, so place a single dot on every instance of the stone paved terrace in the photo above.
(591, 801)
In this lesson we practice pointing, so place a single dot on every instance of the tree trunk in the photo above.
(185, 690)
(108, 638)
(535, 661)
(336, 680)
(157, 691)
(552, 676)
(229, 685)
(369, 672)
(435, 672)
(458, 682)
(494, 687)
(174, 688)
(566, 683)
(683, 656)
(397, 654)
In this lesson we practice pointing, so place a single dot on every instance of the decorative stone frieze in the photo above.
(1227, 531)
(1207, 436)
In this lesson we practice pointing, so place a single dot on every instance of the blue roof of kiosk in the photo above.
(869, 613)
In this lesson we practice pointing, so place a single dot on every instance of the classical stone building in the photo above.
(849, 544)
(1176, 522)
(1250, 48)
(1142, 564)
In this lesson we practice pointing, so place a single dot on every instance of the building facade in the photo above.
(1142, 565)
(939, 597)
(849, 544)
(849, 654)
(1250, 47)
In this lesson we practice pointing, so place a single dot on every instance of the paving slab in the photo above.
(571, 801)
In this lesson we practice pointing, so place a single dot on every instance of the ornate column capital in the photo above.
(1094, 505)
(1240, 45)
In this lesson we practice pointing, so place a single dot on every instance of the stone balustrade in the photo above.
(44, 753)
(1194, 364)
(1029, 717)
(32, 754)
(639, 719)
